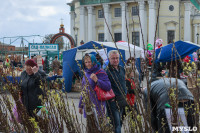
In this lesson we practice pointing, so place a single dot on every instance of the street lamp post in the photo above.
(76, 35)
(197, 37)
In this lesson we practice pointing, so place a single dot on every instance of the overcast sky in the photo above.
(32, 17)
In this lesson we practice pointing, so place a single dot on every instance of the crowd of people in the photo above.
(124, 81)
(30, 79)
(17, 61)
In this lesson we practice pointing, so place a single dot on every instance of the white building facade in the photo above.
(134, 21)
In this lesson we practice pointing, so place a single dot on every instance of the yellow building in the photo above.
(96, 19)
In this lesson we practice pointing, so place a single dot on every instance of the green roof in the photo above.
(88, 2)
(196, 3)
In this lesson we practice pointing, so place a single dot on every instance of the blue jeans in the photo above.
(115, 115)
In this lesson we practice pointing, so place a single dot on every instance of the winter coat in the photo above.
(46, 65)
(15, 64)
(30, 87)
(103, 82)
(117, 80)
(159, 92)
(159, 95)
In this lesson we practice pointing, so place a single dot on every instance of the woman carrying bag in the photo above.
(94, 76)
(90, 80)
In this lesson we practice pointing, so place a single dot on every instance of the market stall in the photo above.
(72, 58)
(176, 52)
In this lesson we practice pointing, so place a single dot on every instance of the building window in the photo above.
(135, 10)
(118, 37)
(170, 36)
(171, 8)
(10, 49)
(118, 12)
(100, 14)
(136, 38)
(101, 37)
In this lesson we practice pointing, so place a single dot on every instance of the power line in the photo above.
(20, 37)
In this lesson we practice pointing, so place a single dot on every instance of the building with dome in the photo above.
(178, 20)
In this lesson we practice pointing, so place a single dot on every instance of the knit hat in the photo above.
(31, 63)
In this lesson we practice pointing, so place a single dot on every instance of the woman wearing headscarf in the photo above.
(90, 80)
(30, 86)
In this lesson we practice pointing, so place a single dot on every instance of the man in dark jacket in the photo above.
(46, 65)
(159, 96)
(30, 86)
(55, 65)
(116, 75)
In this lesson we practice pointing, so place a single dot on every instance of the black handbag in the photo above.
(121, 101)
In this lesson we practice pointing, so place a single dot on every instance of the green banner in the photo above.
(196, 3)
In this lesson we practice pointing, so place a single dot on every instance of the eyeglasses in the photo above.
(116, 58)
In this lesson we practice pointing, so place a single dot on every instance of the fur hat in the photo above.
(31, 63)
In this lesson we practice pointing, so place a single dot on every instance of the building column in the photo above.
(142, 21)
(152, 21)
(106, 8)
(187, 26)
(82, 25)
(72, 23)
(198, 31)
(124, 21)
(94, 27)
(90, 22)
(127, 17)
(110, 26)
(195, 33)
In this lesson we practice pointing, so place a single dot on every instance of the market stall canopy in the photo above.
(175, 51)
(135, 50)
(72, 56)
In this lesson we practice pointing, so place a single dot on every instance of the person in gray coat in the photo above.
(30, 86)
(159, 96)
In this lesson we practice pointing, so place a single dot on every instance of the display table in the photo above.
(76, 86)
(51, 81)
(54, 77)
(12, 79)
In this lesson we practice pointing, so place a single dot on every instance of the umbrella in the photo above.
(180, 50)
